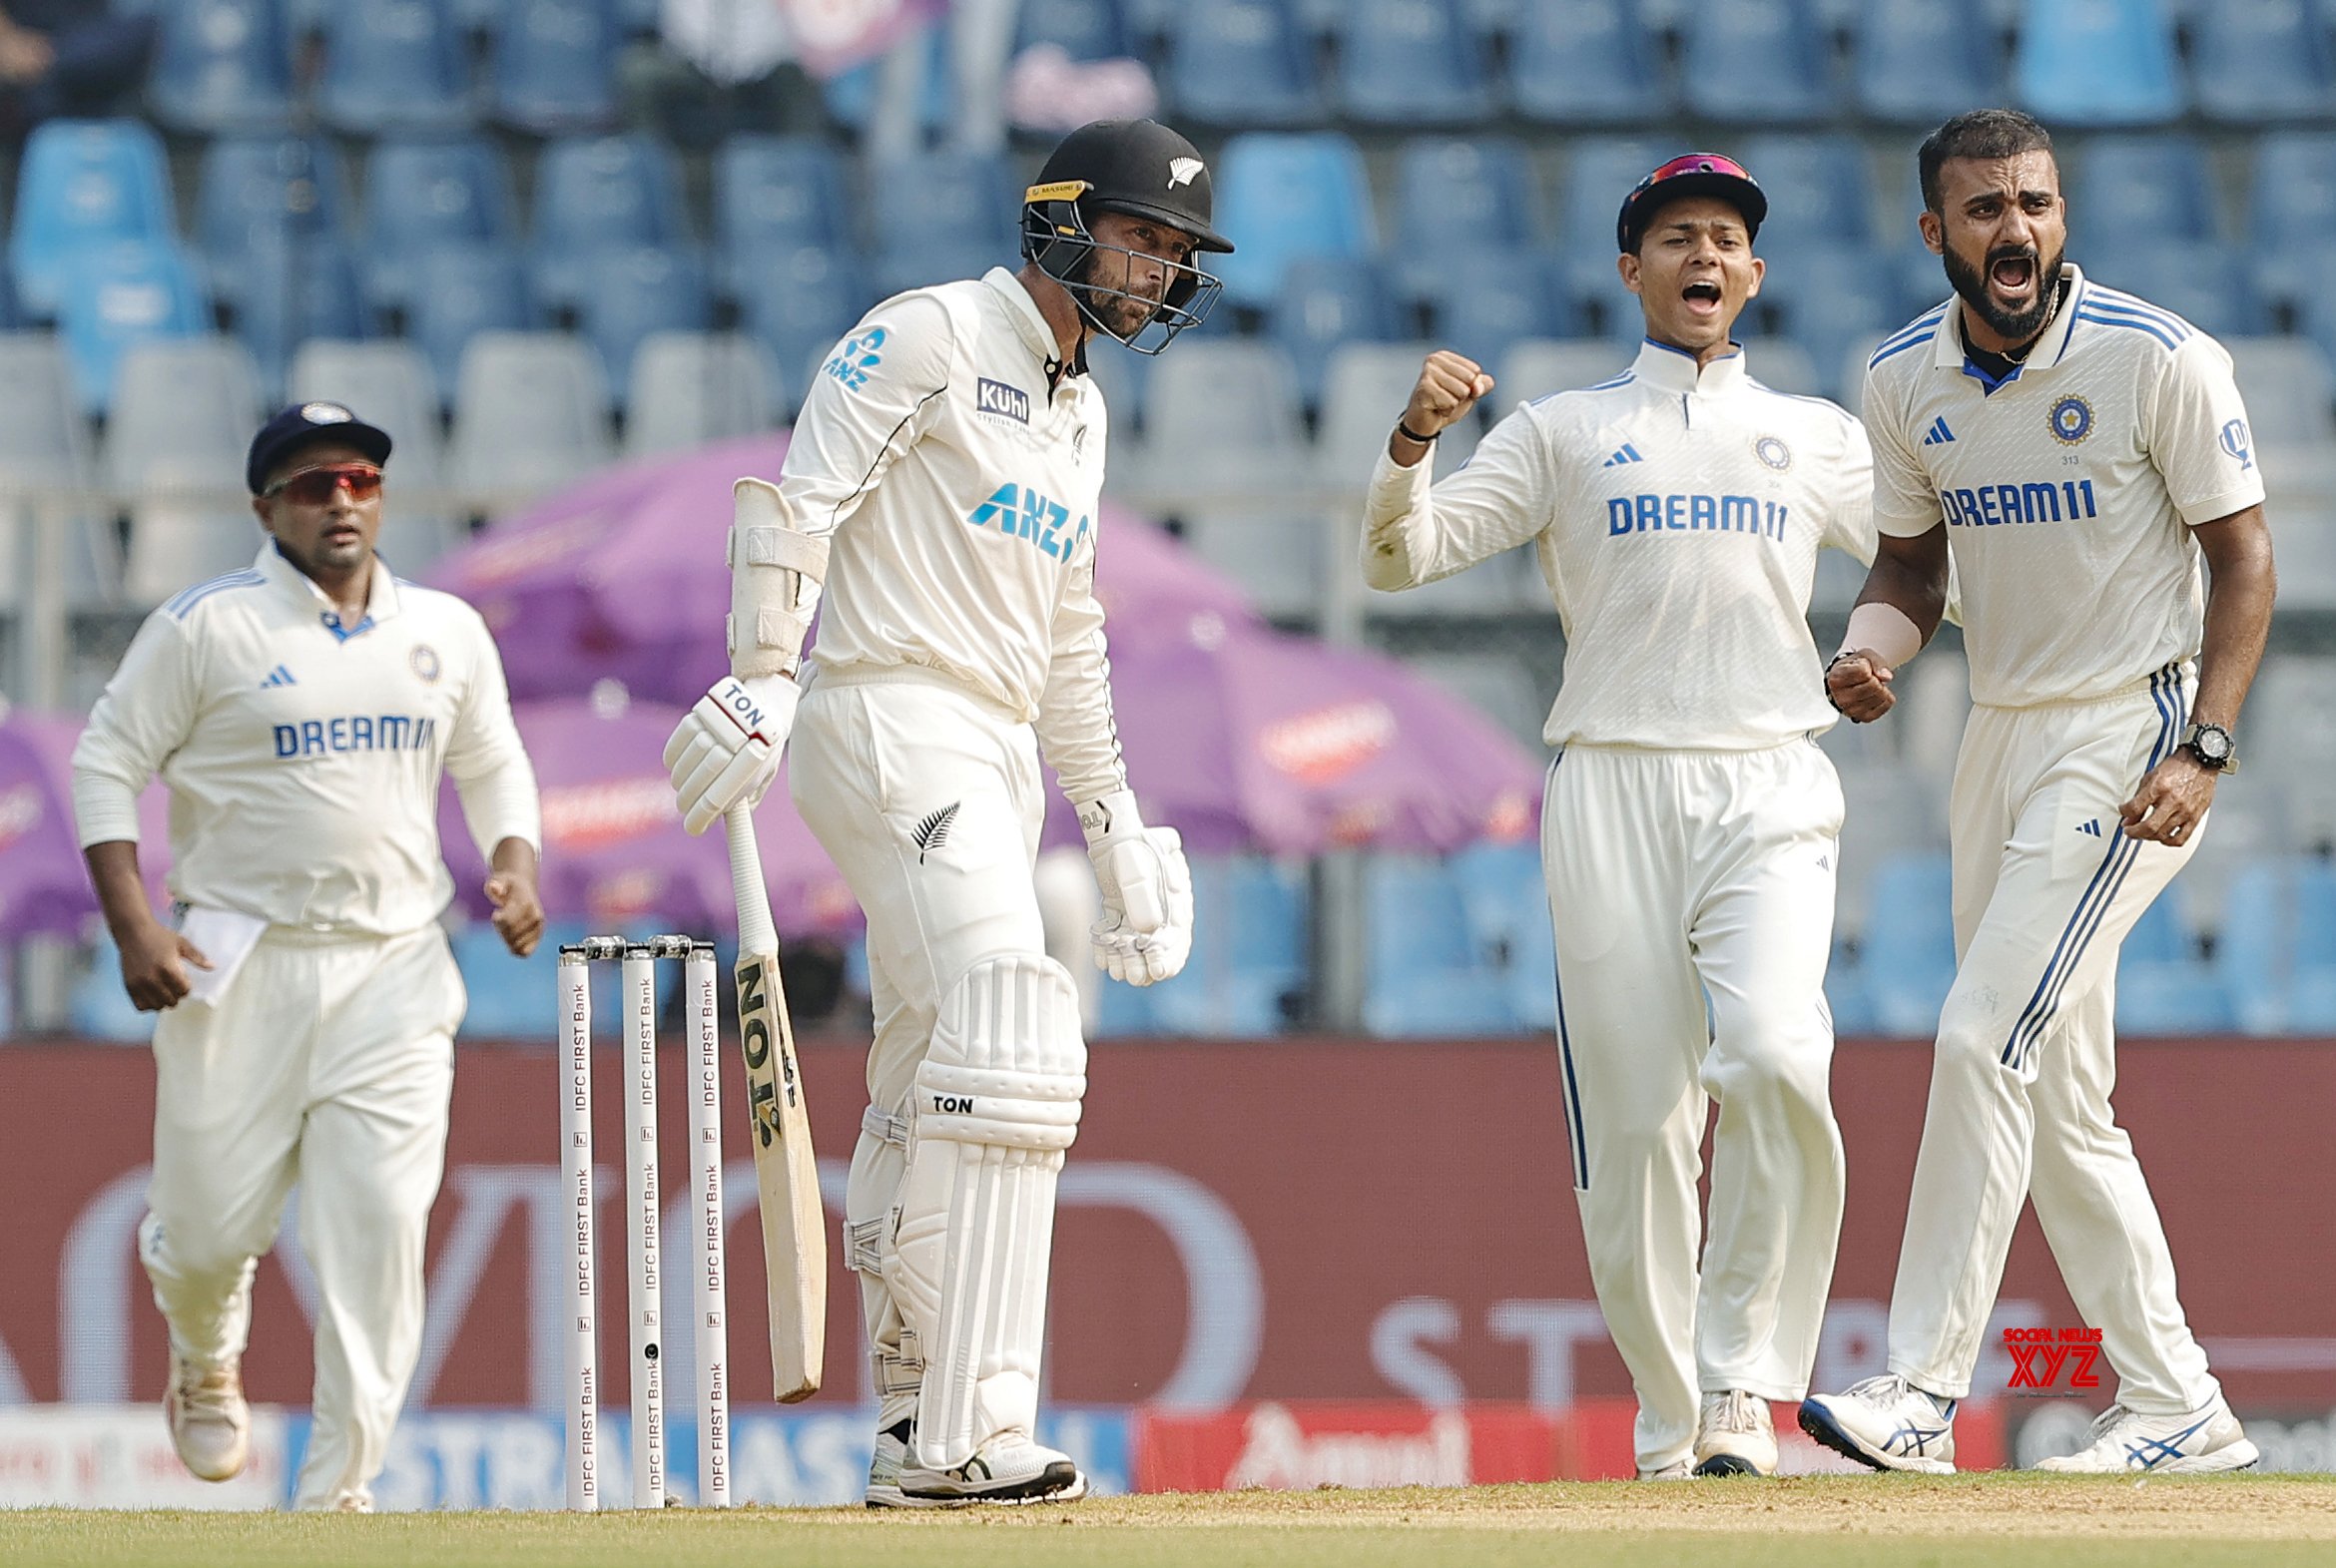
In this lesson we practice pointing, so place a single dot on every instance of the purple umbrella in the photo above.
(44, 886)
(614, 850)
(623, 577)
(1241, 736)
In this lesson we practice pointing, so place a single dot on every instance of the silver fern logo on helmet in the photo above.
(1183, 170)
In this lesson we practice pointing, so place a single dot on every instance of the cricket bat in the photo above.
(787, 1177)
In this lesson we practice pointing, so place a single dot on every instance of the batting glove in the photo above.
(1145, 934)
(726, 750)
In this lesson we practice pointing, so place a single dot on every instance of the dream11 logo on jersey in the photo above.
(2041, 1356)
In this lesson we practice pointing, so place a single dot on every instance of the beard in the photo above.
(2013, 326)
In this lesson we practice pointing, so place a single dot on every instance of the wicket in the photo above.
(645, 1272)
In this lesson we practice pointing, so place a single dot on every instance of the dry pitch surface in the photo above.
(1812, 1522)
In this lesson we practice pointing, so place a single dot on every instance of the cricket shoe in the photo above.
(1676, 1470)
(1009, 1468)
(884, 1473)
(2124, 1442)
(1884, 1423)
(1735, 1435)
(211, 1426)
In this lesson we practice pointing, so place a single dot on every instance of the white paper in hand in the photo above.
(226, 939)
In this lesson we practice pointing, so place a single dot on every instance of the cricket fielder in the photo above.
(942, 483)
(1689, 826)
(2074, 451)
(301, 713)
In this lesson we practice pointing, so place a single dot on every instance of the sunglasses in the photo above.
(315, 486)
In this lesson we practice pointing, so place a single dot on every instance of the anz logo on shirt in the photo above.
(1988, 504)
(1024, 512)
(855, 356)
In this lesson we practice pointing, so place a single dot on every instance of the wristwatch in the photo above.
(2212, 745)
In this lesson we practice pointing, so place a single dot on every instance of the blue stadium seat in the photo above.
(2165, 984)
(797, 303)
(221, 66)
(1818, 186)
(1426, 974)
(1482, 299)
(428, 192)
(938, 197)
(2256, 61)
(1909, 954)
(2292, 200)
(629, 294)
(1247, 973)
(119, 295)
(281, 290)
(1326, 300)
(2202, 281)
(1507, 904)
(393, 64)
(1411, 63)
(462, 288)
(1599, 171)
(2134, 191)
(254, 188)
(1585, 63)
(1826, 298)
(2098, 62)
(83, 183)
(1241, 63)
(1083, 29)
(773, 193)
(1453, 193)
(600, 193)
(553, 69)
(1847, 995)
(1286, 195)
(1757, 62)
(2277, 948)
(1916, 62)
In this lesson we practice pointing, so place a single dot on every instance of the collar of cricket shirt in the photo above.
(381, 595)
(1030, 326)
(1675, 370)
(1949, 351)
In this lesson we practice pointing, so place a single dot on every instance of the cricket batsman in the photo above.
(940, 498)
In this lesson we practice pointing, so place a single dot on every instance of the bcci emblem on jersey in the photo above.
(425, 660)
(1773, 452)
(2071, 419)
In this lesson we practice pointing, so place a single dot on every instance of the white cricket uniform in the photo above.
(2069, 493)
(303, 757)
(1687, 835)
(959, 638)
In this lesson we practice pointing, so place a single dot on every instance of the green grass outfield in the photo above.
(2004, 1521)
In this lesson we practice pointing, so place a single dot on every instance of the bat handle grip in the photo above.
(756, 932)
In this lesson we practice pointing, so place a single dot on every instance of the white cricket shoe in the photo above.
(1735, 1435)
(884, 1473)
(1884, 1423)
(1009, 1468)
(211, 1426)
(1676, 1470)
(2202, 1443)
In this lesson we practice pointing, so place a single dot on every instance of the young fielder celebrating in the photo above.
(942, 483)
(301, 713)
(1689, 826)
(2075, 451)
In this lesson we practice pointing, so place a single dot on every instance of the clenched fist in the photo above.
(1447, 388)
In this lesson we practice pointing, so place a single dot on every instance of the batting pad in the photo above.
(996, 1103)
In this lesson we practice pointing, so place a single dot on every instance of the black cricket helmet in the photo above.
(1145, 169)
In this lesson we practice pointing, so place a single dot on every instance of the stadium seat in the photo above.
(182, 420)
(221, 66)
(1125, 379)
(942, 259)
(83, 183)
(1599, 171)
(423, 194)
(391, 385)
(2135, 192)
(602, 192)
(43, 443)
(1537, 368)
(1505, 687)
(688, 388)
(1411, 63)
(1427, 976)
(530, 414)
(393, 64)
(552, 66)
(462, 290)
(2165, 984)
(2098, 62)
(1459, 193)
(120, 296)
(1826, 298)
(1085, 30)
(1281, 196)
(2297, 754)
(2292, 226)
(1585, 63)
(1916, 62)
(2277, 951)
(1757, 62)
(1909, 946)
(1482, 299)
(1892, 808)
(1819, 190)
(2249, 822)
(1238, 402)
(772, 193)
(2202, 280)
(1241, 64)
(1847, 996)
(273, 186)
(1325, 302)
(632, 292)
(798, 302)
(1506, 902)
(2258, 61)
(850, 94)
(283, 289)
(1247, 974)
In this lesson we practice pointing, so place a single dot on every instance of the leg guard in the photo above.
(996, 1103)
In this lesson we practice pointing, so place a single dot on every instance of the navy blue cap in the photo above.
(304, 423)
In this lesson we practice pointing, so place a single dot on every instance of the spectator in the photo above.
(68, 57)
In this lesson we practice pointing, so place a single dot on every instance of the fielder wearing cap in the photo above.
(942, 487)
(301, 712)
(2075, 453)
(1688, 834)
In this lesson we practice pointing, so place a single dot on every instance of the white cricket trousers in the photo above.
(2045, 887)
(327, 1062)
(930, 802)
(1677, 878)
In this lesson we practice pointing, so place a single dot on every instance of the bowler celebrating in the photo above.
(301, 712)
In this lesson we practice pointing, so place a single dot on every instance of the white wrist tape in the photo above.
(773, 565)
(1883, 630)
